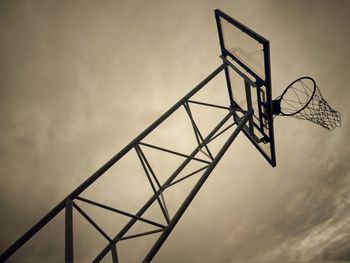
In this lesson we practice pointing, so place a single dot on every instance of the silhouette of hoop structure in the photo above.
(303, 100)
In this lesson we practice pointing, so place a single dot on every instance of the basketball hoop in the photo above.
(303, 100)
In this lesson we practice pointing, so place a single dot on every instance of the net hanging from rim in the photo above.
(303, 100)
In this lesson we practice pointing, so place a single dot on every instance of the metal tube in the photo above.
(187, 176)
(249, 105)
(267, 66)
(165, 213)
(222, 47)
(224, 130)
(142, 234)
(209, 104)
(156, 180)
(69, 252)
(114, 253)
(195, 189)
(173, 152)
(92, 222)
(243, 75)
(196, 130)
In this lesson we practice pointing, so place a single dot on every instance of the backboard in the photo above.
(248, 79)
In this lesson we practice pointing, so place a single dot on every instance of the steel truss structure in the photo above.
(237, 120)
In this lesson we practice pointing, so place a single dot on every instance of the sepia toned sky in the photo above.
(80, 79)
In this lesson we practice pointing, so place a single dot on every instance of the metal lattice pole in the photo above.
(68, 204)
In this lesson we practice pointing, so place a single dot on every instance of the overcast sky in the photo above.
(80, 79)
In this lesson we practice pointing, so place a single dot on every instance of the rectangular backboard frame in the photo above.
(256, 84)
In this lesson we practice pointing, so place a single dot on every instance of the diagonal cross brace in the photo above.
(156, 193)
(197, 133)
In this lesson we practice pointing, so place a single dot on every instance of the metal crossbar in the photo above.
(92, 222)
(209, 105)
(142, 234)
(164, 211)
(187, 176)
(224, 130)
(157, 182)
(120, 212)
(173, 152)
(198, 134)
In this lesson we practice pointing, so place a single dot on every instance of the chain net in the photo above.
(303, 100)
